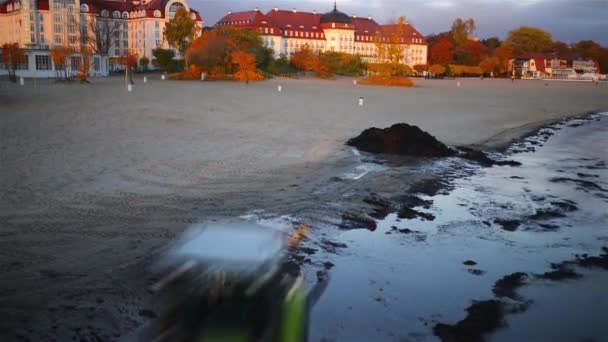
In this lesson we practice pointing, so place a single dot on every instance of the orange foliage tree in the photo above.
(129, 61)
(304, 59)
(85, 54)
(247, 70)
(504, 53)
(61, 58)
(442, 52)
(437, 69)
(12, 57)
(490, 65)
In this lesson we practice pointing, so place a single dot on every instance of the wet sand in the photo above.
(95, 180)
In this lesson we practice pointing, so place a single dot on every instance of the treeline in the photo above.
(232, 53)
(459, 47)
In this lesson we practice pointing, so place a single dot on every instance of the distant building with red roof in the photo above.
(287, 31)
(554, 65)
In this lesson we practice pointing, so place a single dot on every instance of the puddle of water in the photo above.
(389, 285)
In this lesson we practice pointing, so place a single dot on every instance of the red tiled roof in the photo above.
(254, 20)
(295, 20)
(365, 26)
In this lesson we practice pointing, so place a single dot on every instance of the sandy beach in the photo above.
(95, 180)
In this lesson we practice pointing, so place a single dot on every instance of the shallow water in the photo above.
(389, 285)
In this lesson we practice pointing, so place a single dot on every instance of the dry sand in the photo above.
(95, 180)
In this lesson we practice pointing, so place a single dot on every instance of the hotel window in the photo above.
(43, 62)
(96, 64)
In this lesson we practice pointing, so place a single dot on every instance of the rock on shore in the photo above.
(400, 139)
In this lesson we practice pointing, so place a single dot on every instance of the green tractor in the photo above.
(225, 282)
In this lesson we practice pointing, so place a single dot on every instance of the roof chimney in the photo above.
(369, 17)
(294, 10)
(276, 9)
(257, 9)
(314, 11)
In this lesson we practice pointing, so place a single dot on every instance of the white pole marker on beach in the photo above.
(162, 77)
(361, 102)
(145, 79)
(355, 82)
(129, 88)
(280, 88)
(21, 81)
(458, 84)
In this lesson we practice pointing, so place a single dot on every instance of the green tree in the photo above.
(181, 31)
(163, 58)
(491, 44)
(461, 29)
(529, 39)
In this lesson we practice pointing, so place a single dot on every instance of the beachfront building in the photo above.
(287, 31)
(118, 27)
(555, 66)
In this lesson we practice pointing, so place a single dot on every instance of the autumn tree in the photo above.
(437, 69)
(144, 62)
(247, 70)
(389, 44)
(163, 58)
(12, 57)
(86, 54)
(442, 52)
(61, 58)
(304, 59)
(212, 51)
(471, 54)
(461, 29)
(490, 65)
(504, 54)
(181, 31)
(529, 39)
(99, 34)
(129, 61)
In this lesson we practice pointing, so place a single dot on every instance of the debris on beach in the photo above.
(483, 317)
(483, 159)
(408, 140)
(508, 225)
(381, 207)
(402, 139)
(506, 286)
(355, 220)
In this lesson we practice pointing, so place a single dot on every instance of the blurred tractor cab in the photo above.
(225, 282)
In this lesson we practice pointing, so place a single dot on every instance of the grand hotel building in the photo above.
(38, 25)
(286, 31)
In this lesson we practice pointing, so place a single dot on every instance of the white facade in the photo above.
(134, 26)
(39, 64)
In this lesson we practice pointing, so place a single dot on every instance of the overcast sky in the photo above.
(567, 20)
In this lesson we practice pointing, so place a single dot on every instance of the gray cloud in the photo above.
(567, 20)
